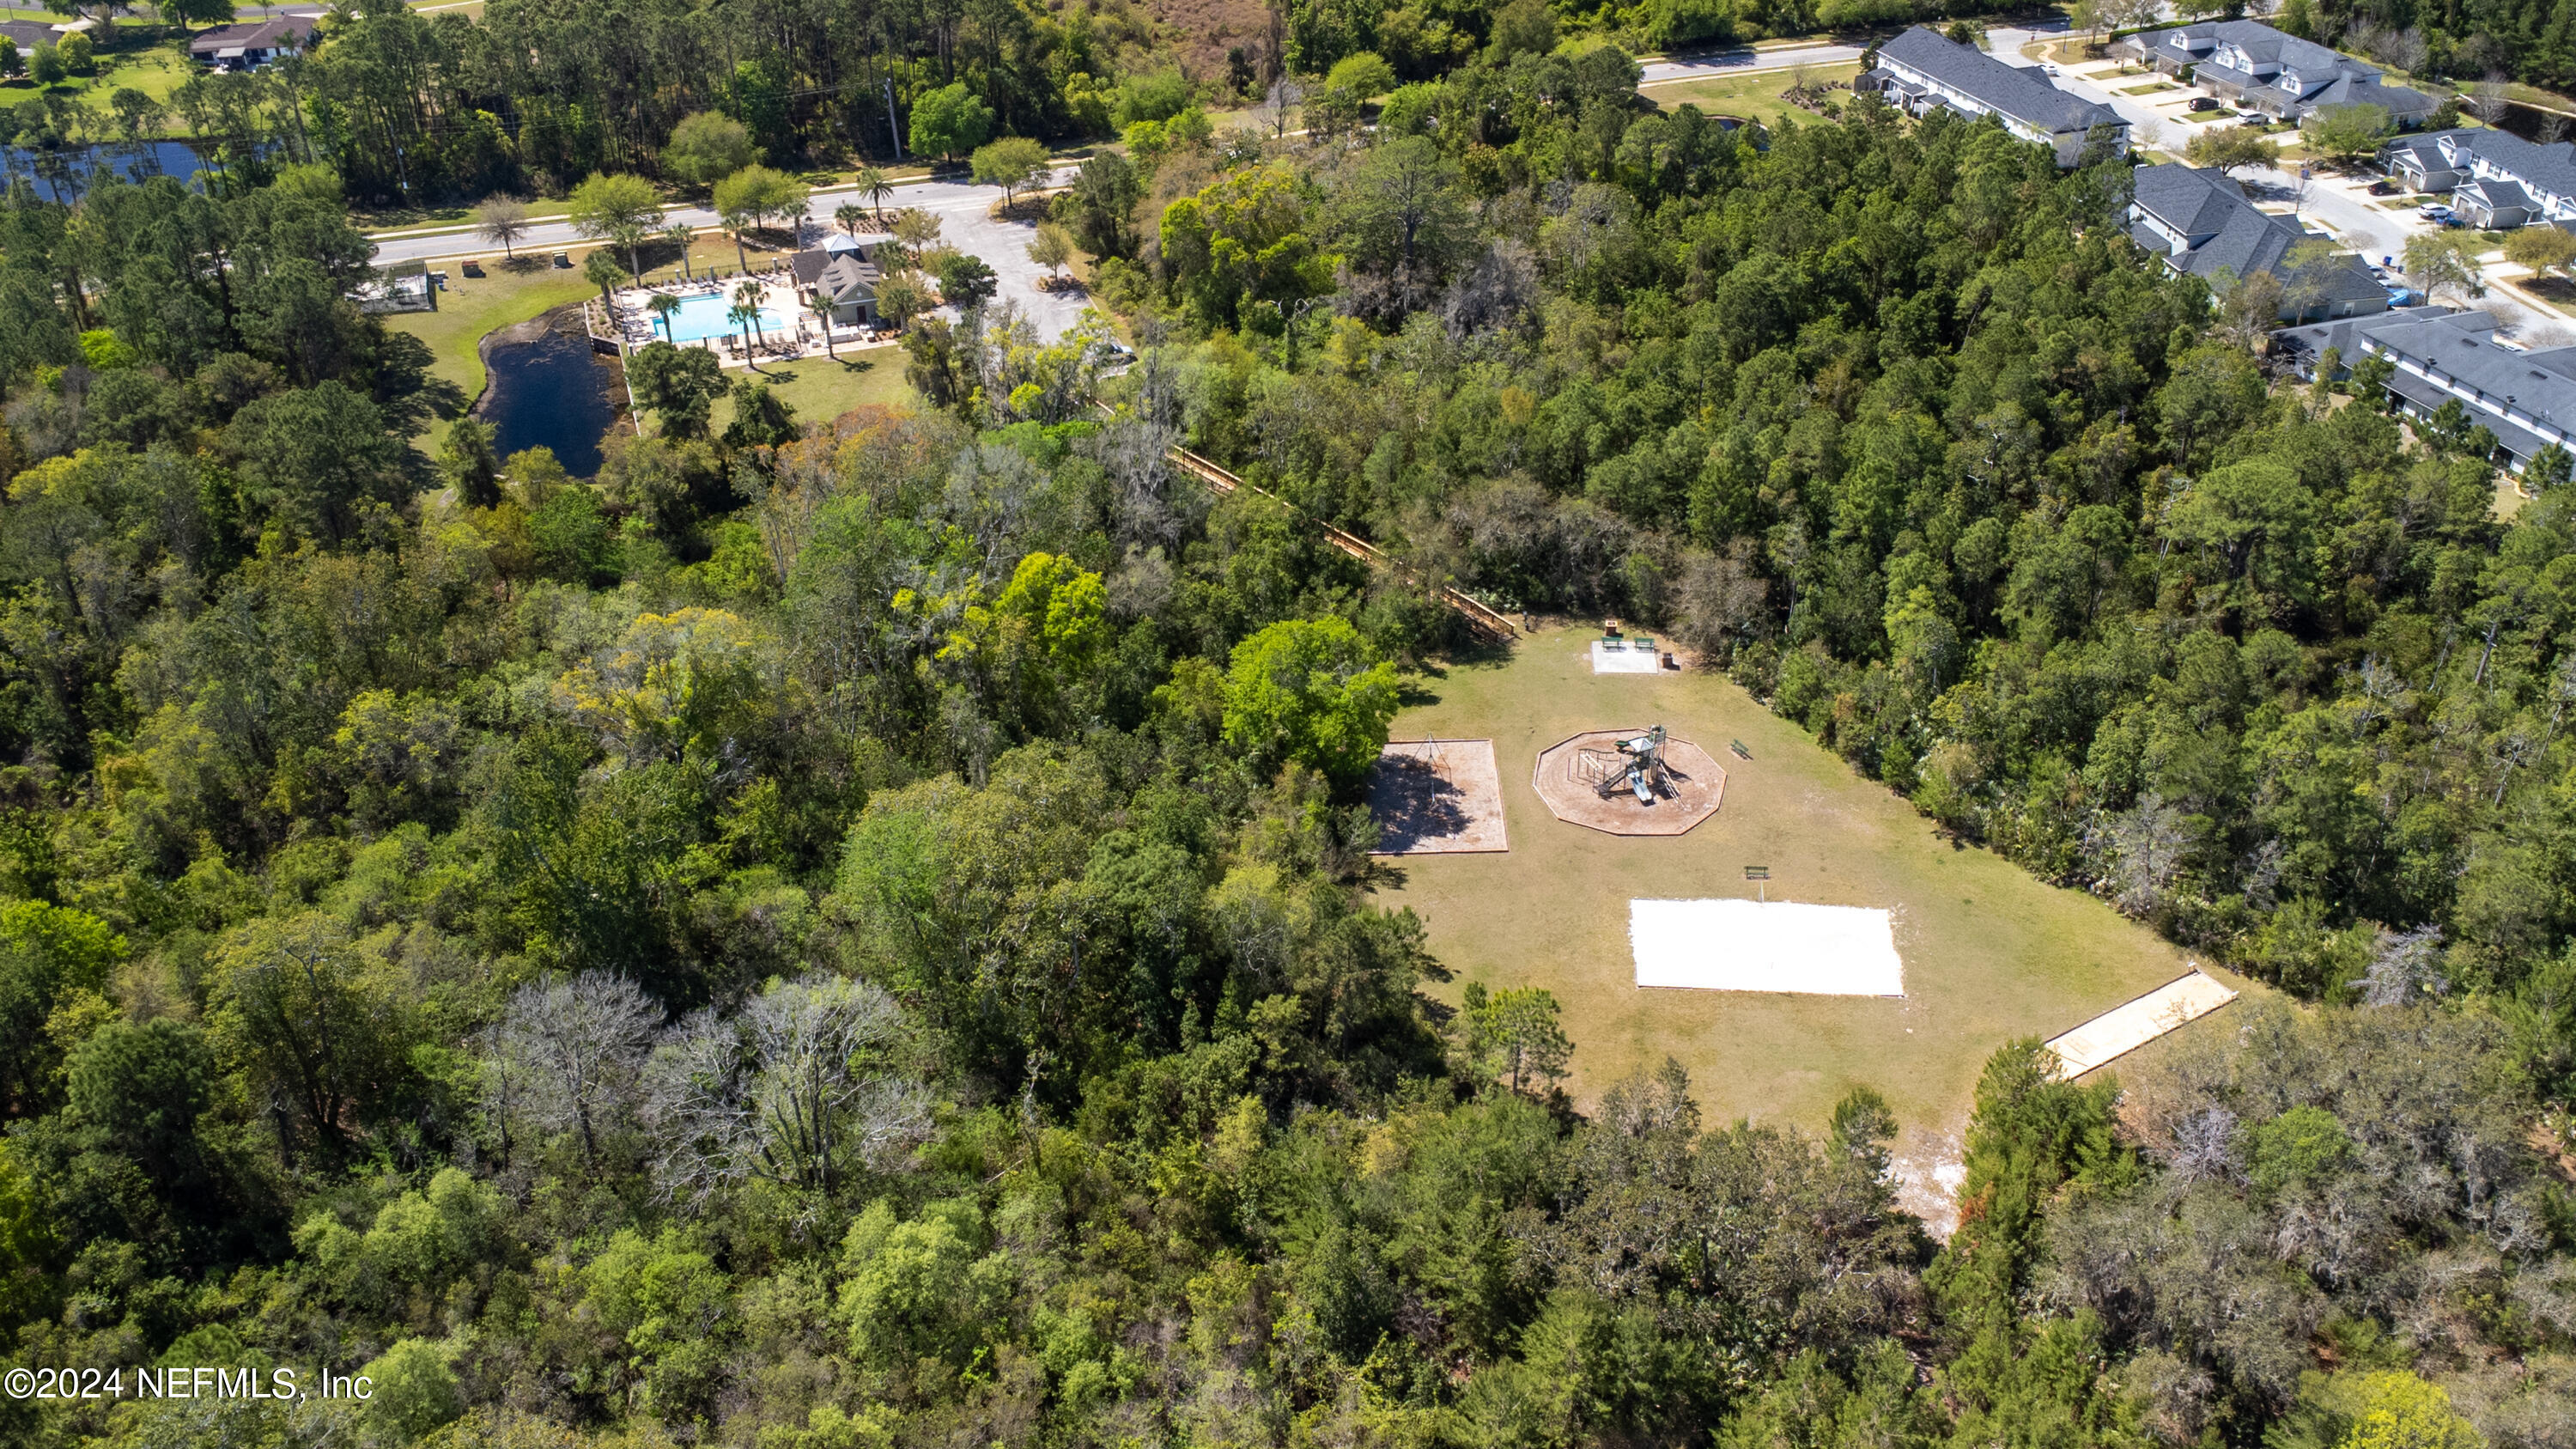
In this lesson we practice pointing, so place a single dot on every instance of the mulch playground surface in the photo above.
(1694, 787)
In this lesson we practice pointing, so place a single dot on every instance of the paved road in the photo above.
(1738, 62)
(961, 208)
(2337, 205)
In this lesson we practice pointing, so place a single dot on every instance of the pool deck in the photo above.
(796, 333)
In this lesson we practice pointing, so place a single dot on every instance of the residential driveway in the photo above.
(961, 208)
(2339, 206)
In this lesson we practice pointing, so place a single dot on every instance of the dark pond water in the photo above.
(66, 173)
(550, 393)
(2533, 124)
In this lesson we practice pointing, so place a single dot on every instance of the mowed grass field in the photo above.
(1750, 97)
(821, 389)
(474, 306)
(1990, 952)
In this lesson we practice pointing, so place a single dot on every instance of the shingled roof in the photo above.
(2227, 237)
(2024, 95)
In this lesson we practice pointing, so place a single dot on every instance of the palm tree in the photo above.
(745, 317)
(662, 306)
(876, 188)
(819, 303)
(746, 298)
(600, 268)
(681, 235)
(849, 214)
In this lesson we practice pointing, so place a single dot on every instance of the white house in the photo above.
(1919, 72)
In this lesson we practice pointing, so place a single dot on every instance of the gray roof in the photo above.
(2542, 383)
(2397, 101)
(2310, 342)
(2518, 440)
(2192, 201)
(844, 273)
(2552, 168)
(2497, 194)
(2228, 238)
(2024, 95)
(30, 34)
(270, 34)
(2191, 43)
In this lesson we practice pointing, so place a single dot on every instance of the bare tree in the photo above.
(2204, 1146)
(1498, 290)
(795, 1090)
(2405, 969)
(2141, 850)
(569, 1051)
(2407, 50)
(2489, 96)
(1722, 600)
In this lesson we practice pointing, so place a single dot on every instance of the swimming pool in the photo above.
(704, 316)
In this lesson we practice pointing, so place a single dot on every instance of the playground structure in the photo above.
(1634, 765)
(1629, 782)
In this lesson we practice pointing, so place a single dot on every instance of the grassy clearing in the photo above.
(1990, 952)
(2150, 88)
(156, 69)
(821, 389)
(473, 306)
(1749, 97)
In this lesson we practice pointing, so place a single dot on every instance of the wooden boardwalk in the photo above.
(1217, 480)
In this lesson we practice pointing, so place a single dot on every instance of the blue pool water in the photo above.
(704, 316)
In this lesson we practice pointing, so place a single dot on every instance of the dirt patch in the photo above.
(1569, 775)
(1929, 1167)
(1437, 797)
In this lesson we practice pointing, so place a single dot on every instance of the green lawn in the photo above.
(1990, 952)
(473, 306)
(155, 68)
(1750, 97)
(821, 389)
(2150, 88)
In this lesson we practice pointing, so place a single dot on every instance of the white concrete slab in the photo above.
(1787, 946)
(2132, 1024)
(1623, 660)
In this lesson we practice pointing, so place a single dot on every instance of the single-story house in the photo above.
(2198, 222)
(2526, 399)
(844, 269)
(253, 43)
(2263, 69)
(1919, 72)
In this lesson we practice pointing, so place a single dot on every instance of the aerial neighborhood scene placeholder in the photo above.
(1461, 724)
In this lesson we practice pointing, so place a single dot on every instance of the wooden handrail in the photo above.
(1217, 480)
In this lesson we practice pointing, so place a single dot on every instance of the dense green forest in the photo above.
(850, 933)
(532, 96)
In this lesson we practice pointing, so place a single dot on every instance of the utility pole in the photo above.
(894, 133)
